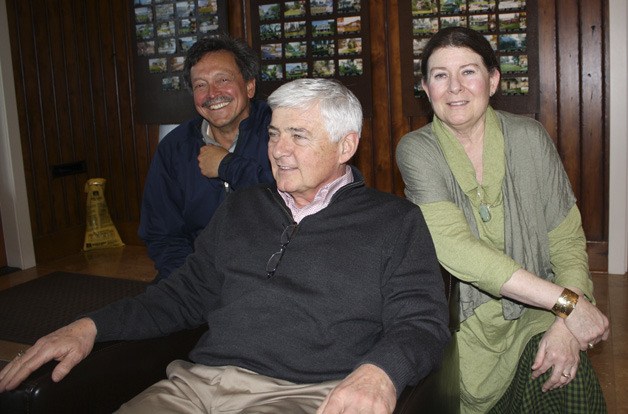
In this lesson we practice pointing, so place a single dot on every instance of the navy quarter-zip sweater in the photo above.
(179, 201)
(358, 283)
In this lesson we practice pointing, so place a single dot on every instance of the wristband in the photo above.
(565, 304)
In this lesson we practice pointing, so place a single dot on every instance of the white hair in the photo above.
(340, 109)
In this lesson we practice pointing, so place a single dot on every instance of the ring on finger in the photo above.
(591, 345)
(566, 375)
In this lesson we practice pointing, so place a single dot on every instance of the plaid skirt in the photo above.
(583, 395)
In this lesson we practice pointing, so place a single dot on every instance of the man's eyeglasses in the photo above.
(275, 259)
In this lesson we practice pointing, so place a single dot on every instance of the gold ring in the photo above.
(591, 345)
(566, 375)
(19, 354)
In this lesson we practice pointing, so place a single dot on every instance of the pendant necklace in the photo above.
(484, 209)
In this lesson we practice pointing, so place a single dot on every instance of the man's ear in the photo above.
(250, 88)
(348, 146)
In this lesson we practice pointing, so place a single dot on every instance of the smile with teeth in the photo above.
(457, 103)
(219, 105)
(216, 104)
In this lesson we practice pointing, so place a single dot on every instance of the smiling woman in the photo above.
(504, 220)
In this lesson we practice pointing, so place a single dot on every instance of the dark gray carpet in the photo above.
(36, 308)
(5, 270)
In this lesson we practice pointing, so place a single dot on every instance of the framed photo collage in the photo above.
(508, 25)
(164, 31)
(313, 38)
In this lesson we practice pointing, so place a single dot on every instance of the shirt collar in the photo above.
(208, 137)
(321, 199)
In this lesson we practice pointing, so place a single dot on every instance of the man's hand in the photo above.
(68, 345)
(560, 351)
(209, 159)
(366, 390)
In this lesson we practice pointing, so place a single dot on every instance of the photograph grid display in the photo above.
(310, 38)
(313, 38)
(504, 23)
(166, 29)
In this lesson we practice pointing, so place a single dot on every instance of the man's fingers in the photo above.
(330, 406)
(16, 372)
(62, 369)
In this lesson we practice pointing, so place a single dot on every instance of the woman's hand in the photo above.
(585, 321)
(588, 324)
(559, 351)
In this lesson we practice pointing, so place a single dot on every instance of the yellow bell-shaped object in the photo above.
(100, 232)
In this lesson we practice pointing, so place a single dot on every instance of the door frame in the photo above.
(618, 153)
(18, 239)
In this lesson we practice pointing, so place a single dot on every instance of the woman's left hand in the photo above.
(560, 351)
(587, 323)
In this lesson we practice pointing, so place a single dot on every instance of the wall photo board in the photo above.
(163, 32)
(510, 26)
(314, 39)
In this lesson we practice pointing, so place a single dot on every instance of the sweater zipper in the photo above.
(281, 205)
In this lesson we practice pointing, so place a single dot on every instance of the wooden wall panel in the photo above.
(74, 84)
(382, 162)
(580, 118)
(593, 130)
(548, 68)
(568, 95)
(399, 125)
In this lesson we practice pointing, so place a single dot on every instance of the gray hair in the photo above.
(340, 109)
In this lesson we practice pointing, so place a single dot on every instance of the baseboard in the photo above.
(70, 241)
(598, 256)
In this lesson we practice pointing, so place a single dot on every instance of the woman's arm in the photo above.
(464, 255)
(493, 271)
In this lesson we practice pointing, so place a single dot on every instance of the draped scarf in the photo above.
(536, 196)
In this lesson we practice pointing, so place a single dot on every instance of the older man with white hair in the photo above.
(321, 294)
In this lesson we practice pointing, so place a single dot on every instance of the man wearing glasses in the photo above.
(321, 295)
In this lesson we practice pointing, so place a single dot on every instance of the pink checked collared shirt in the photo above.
(322, 198)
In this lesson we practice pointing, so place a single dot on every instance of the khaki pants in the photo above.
(192, 388)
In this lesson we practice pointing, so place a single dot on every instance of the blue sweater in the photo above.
(358, 283)
(179, 201)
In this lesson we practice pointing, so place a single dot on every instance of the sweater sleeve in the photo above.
(568, 254)
(162, 225)
(248, 164)
(241, 171)
(460, 252)
(415, 313)
(178, 302)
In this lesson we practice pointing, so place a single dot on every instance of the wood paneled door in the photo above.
(73, 63)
